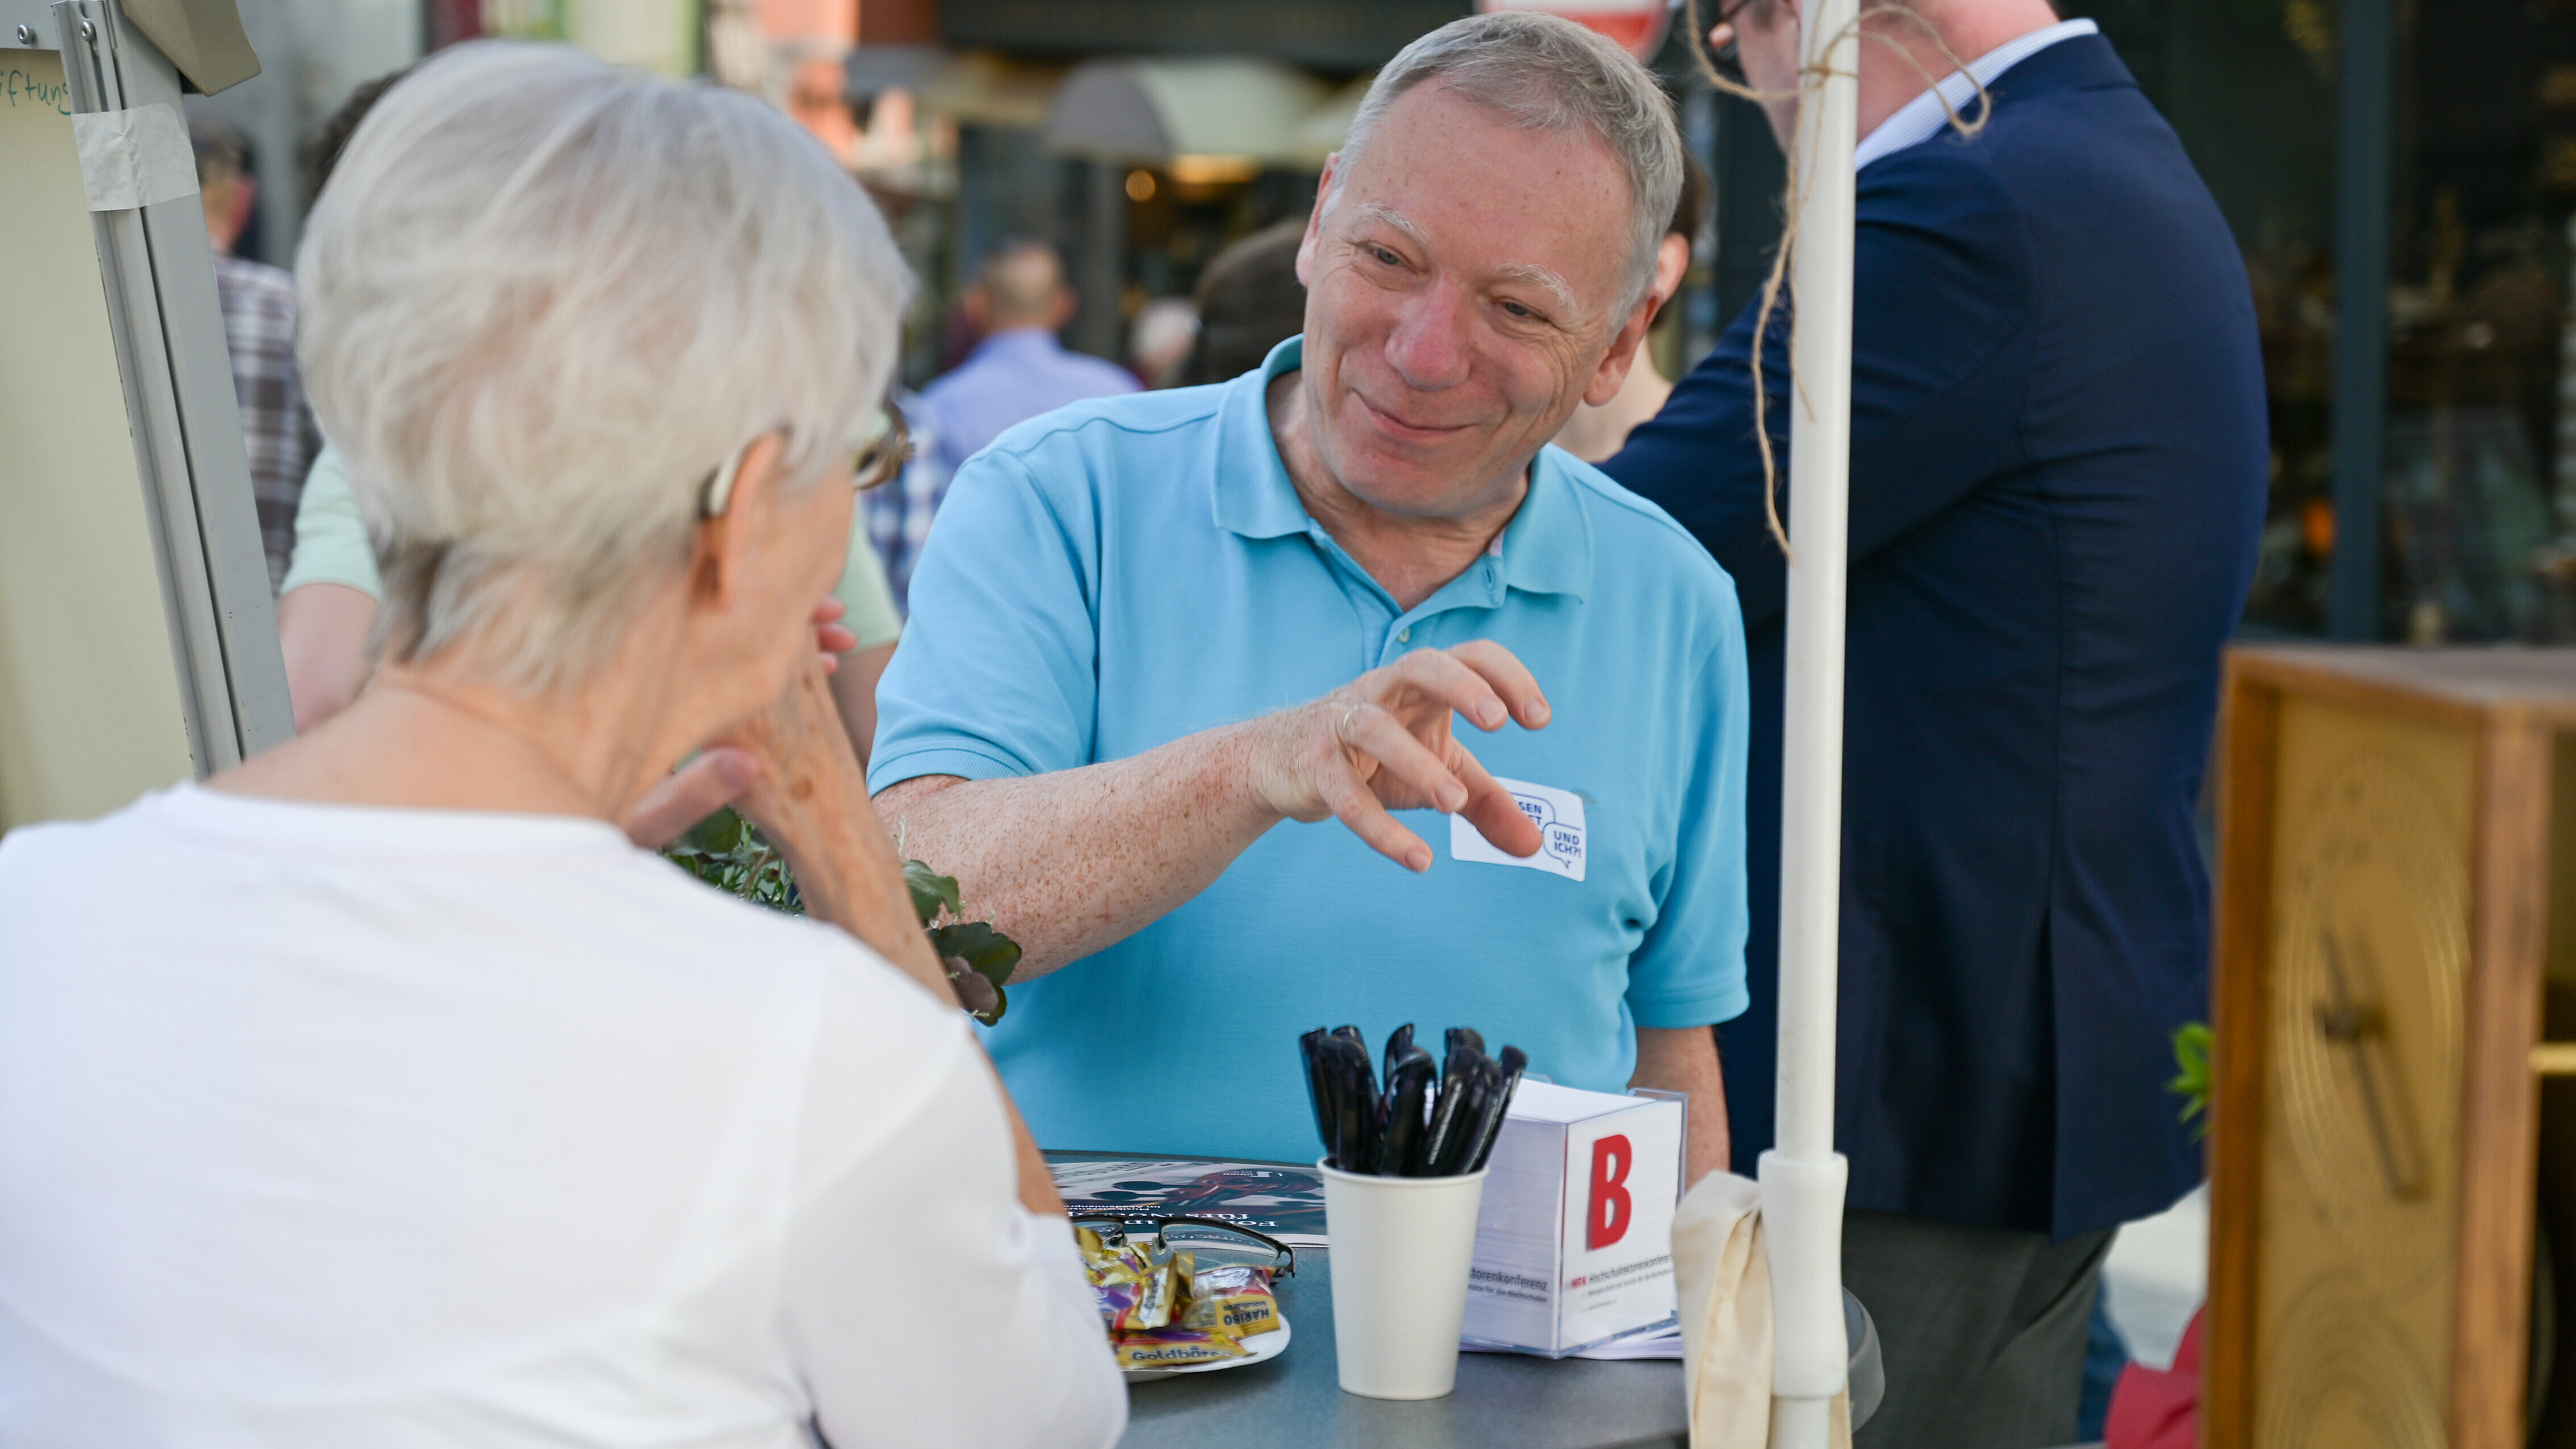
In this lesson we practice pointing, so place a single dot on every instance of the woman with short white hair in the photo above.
(379, 1091)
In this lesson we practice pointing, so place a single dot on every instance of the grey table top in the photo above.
(1295, 1401)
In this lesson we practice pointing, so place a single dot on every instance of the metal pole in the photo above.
(186, 422)
(1103, 273)
(2361, 313)
(1802, 1176)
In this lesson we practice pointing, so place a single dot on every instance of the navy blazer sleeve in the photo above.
(1943, 320)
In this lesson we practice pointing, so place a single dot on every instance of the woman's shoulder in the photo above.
(708, 941)
(42, 860)
(843, 973)
(539, 906)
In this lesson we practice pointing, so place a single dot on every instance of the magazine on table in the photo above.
(1282, 1199)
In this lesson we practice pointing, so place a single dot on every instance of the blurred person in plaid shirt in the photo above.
(259, 329)
(898, 514)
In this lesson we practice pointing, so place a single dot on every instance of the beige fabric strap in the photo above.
(1724, 1281)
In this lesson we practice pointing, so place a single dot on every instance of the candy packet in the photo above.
(1231, 1299)
(1175, 1348)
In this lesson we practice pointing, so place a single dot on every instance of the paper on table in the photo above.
(1667, 1344)
(1664, 1344)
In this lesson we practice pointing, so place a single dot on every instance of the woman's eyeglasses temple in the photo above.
(881, 459)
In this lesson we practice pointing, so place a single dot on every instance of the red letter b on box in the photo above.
(1611, 1212)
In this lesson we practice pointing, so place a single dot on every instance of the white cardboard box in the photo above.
(1574, 1244)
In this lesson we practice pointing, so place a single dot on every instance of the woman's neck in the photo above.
(1593, 434)
(432, 740)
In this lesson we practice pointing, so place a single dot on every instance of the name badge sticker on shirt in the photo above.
(1558, 814)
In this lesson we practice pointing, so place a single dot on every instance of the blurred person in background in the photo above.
(329, 591)
(1249, 300)
(325, 607)
(421, 1107)
(2059, 458)
(1017, 371)
(1018, 304)
(1595, 433)
(895, 519)
(1151, 631)
(1163, 333)
(322, 152)
(259, 331)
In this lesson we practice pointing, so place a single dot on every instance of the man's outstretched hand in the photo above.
(1383, 742)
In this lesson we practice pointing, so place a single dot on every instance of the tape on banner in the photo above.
(134, 158)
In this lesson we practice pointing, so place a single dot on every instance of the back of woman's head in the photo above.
(543, 301)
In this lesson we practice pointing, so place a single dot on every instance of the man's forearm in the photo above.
(1684, 1059)
(1069, 862)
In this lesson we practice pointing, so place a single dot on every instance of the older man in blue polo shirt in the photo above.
(1149, 630)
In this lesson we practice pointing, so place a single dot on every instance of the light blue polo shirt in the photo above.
(1123, 572)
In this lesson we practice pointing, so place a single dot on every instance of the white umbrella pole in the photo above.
(1802, 1176)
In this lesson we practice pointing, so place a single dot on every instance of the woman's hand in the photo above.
(802, 755)
(830, 634)
(810, 798)
(711, 780)
(718, 775)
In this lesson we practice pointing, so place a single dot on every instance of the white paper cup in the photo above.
(1400, 1248)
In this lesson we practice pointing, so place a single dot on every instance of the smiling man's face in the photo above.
(1465, 293)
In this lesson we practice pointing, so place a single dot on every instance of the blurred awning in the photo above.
(1321, 133)
(1207, 109)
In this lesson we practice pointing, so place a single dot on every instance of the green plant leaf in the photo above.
(727, 852)
(2191, 1047)
(931, 891)
(986, 952)
(718, 834)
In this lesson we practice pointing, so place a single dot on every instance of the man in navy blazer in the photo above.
(2058, 471)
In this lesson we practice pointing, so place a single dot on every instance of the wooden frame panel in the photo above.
(2500, 1095)
(2249, 741)
(2514, 706)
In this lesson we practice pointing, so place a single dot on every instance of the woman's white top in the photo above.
(327, 1126)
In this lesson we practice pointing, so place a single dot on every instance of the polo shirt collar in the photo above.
(1546, 548)
(1254, 496)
